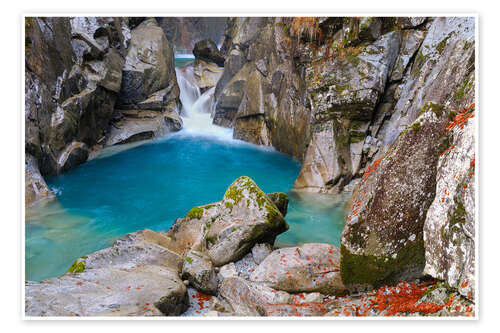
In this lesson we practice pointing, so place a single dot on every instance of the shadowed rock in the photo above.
(208, 51)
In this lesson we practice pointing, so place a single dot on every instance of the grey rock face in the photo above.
(148, 65)
(35, 187)
(135, 277)
(312, 267)
(199, 270)
(261, 92)
(345, 100)
(449, 229)
(442, 72)
(382, 240)
(73, 73)
(248, 298)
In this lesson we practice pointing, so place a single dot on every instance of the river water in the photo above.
(150, 184)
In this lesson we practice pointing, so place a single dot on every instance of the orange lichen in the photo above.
(372, 168)
(461, 117)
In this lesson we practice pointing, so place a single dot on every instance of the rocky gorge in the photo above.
(379, 110)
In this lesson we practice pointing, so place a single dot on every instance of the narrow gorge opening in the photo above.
(149, 184)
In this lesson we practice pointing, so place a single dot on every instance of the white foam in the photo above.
(197, 109)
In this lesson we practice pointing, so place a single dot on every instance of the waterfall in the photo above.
(197, 109)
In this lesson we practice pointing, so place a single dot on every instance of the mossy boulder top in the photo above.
(228, 229)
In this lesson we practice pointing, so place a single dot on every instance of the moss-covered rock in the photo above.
(228, 229)
(382, 240)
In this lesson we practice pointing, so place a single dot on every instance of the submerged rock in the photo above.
(312, 267)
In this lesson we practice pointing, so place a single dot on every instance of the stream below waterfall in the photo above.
(150, 184)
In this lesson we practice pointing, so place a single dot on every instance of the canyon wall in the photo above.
(366, 103)
(184, 32)
(90, 82)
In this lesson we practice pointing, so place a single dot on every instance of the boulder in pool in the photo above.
(227, 230)
(312, 267)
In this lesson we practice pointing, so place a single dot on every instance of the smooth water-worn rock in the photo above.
(202, 74)
(149, 64)
(449, 229)
(382, 241)
(139, 125)
(199, 270)
(247, 298)
(137, 276)
(312, 267)
(227, 230)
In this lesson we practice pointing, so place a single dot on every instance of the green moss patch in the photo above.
(195, 213)
(78, 266)
(380, 270)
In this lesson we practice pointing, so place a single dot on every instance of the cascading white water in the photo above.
(196, 110)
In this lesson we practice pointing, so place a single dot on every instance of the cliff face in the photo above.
(184, 32)
(366, 105)
(77, 70)
(261, 92)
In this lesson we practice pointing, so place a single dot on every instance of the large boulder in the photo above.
(228, 229)
(312, 267)
(449, 229)
(207, 50)
(382, 240)
(229, 100)
(137, 276)
(149, 64)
